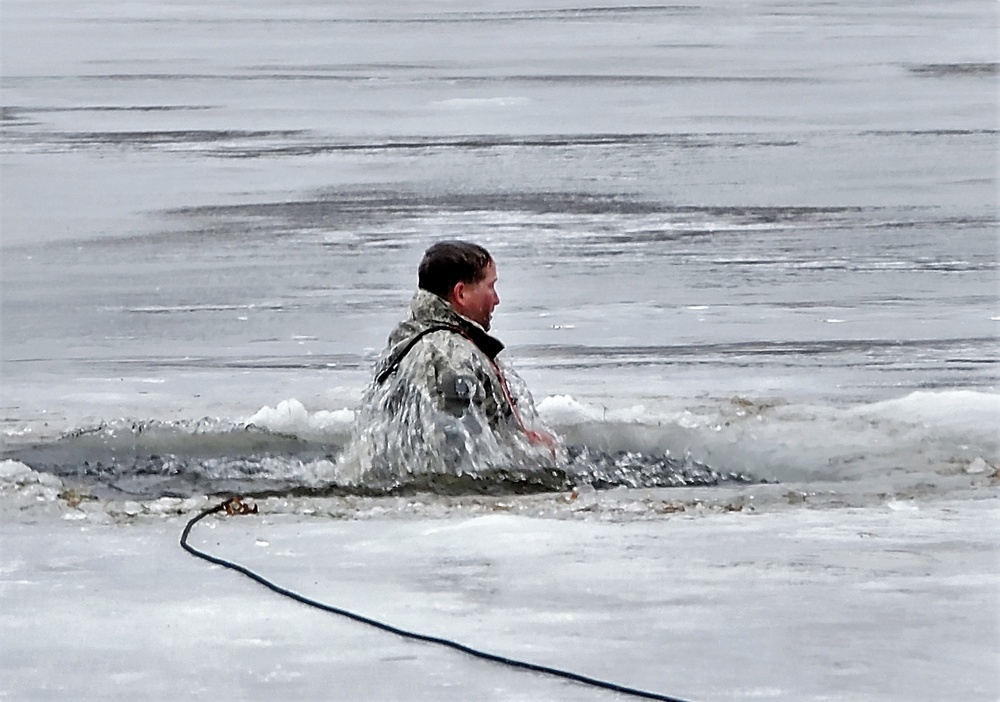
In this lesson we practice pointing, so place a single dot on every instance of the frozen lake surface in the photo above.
(758, 237)
(890, 603)
(733, 222)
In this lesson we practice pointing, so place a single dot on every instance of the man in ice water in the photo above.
(441, 399)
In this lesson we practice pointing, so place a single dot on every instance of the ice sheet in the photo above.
(892, 602)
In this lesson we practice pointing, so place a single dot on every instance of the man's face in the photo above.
(477, 300)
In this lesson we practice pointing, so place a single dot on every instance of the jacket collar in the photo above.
(429, 309)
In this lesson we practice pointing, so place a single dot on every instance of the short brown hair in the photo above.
(447, 263)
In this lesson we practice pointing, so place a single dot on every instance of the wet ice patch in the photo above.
(937, 434)
(563, 409)
(22, 488)
(481, 103)
(958, 410)
(15, 475)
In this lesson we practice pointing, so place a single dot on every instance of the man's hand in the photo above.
(542, 438)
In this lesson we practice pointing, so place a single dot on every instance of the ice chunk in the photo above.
(291, 417)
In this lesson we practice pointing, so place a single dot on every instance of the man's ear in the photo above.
(456, 293)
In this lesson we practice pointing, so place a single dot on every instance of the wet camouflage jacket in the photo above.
(448, 355)
(443, 403)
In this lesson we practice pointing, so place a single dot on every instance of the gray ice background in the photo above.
(772, 225)
(209, 202)
(769, 230)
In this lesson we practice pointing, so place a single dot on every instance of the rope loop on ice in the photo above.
(235, 506)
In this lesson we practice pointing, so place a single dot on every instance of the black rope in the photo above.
(398, 358)
(503, 660)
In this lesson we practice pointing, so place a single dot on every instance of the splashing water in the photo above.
(406, 438)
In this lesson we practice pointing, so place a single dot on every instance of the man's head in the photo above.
(464, 275)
